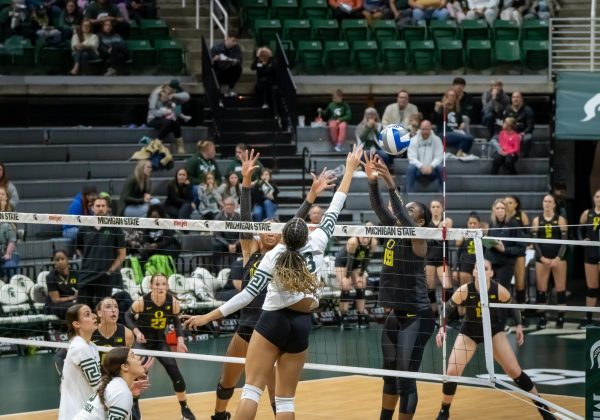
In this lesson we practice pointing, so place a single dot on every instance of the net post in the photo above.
(485, 308)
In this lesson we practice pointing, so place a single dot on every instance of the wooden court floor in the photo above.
(353, 398)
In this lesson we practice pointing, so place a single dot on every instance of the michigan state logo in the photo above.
(591, 107)
(595, 355)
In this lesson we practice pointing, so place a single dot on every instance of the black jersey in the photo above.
(467, 251)
(402, 284)
(116, 340)
(360, 259)
(549, 229)
(250, 314)
(152, 321)
(435, 253)
(472, 325)
(518, 217)
(592, 222)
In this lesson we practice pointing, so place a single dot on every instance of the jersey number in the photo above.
(310, 262)
(159, 322)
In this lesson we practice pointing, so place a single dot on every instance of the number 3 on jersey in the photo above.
(310, 262)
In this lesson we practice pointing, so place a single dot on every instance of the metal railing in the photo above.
(286, 107)
(575, 44)
(214, 18)
(212, 88)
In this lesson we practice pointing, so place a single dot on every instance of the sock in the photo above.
(386, 414)
(221, 415)
(274, 407)
(183, 404)
(521, 297)
(445, 409)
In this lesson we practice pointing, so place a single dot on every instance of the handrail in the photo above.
(212, 89)
(287, 90)
(306, 156)
(574, 44)
(214, 20)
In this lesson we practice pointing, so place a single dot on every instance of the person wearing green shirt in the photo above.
(337, 115)
(236, 164)
(202, 163)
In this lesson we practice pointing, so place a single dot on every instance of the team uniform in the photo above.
(503, 263)
(81, 376)
(250, 314)
(435, 251)
(118, 400)
(285, 328)
(592, 253)
(359, 260)
(472, 325)
(466, 259)
(518, 219)
(549, 229)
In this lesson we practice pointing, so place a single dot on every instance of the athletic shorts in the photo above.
(435, 254)
(245, 332)
(287, 329)
(341, 259)
(475, 331)
(466, 267)
(548, 251)
(592, 254)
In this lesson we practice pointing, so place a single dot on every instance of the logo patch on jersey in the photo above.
(119, 340)
(596, 221)
(492, 296)
(168, 307)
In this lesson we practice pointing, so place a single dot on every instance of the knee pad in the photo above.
(561, 298)
(524, 382)
(284, 404)
(224, 393)
(592, 293)
(345, 296)
(541, 297)
(432, 296)
(449, 388)
(250, 392)
(406, 386)
(360, 294)
(179, 385)
(409, 398)
(448, 294)
(389, 385)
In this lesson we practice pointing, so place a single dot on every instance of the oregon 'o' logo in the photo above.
(595, 355)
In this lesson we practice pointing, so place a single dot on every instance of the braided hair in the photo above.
(111, 368)
(291, 272)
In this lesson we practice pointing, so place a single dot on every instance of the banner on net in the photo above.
(577, 106)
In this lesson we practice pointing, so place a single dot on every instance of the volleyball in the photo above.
(394, 139)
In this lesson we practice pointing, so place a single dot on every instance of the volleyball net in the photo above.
(202, 260)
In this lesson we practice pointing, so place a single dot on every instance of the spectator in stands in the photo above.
(84, 44)
(231, 188)
(140, 9)
(266, 77)
(337, 114)
(203, 163)
(524, 118)
(510, 147)
(543, 9)
(99, 11)
(227, 244)
(178, 204)
(367, 132)
(46, 33)
(414, 122)
(480, 9)
(375, 9)
(62, 286)
(236, 164)
(429, 9)
(402, 12)
(16, 20)
(399, 112)
(8, 186)
(465, 101)
(515, 10)
(207, 198)
(264, 195)
(80, 206)
(180, 97)
(158, 241)
(9, 259)
(162, 116)
(69, 18)
(425, 155)
(315, 214)
(227, 62)
(113, 49)
(455, 127)
(136, 195)
(456, 10)
(113, 205)
(346, 9)
(102, 251)
(494, 102)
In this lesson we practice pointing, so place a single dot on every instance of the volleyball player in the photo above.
(114, 398)
(152, 311)
(351, 263)
(514, 213)
(434, 267)
(471, 334)
(466, 251)
(550, 259)
(253, 251)
(81, 371)
(403, 289)
(281, 334)
(589, 232)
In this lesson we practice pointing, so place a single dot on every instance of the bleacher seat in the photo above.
(355, 30)
(506, 30)
(506, 51)
(474, 30)
(284, 9)
(134, 30)
(310, 56)
(337, 56)
(365, 56)
(142, 54)
(422, 55)
(288, 48)
(154, 29)
(171, 55)
(394, 55)
(54, 60)
(21, 54)
(22, 281)
(450, 54)
(325, 29)
(41, 277)
(416, 32)
(314, 9)
(265, 30)
(253, 10)
(297, 30)
(535, 30)
(384, 30)
(443, 29)
(14, 300)
(145, 285)
(535, 54)
(479, 54)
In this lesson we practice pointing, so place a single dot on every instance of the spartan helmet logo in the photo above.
(595, 355)
(35, 216)
(79, 219)
(206, 224)
(345, 229)
(157, 222)
(591, 107)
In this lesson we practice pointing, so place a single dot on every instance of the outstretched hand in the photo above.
(325, 181)
(370, 158)
(353, 158)
(249, 159)
(384, 171)
(193, 322)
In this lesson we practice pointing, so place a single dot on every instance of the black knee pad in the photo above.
(448, 293)
(179, 385)
(561, 298)
(407, 388)
(389, 385)
(345, 296)
(360, 294)
(432, 296)
(224, 393)
(449, 388)
(524, 382)
(541, 297)
(592, 293)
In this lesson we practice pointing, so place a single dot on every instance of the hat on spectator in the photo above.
(175, 84)
(105, 195)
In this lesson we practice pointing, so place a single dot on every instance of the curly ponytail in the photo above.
(111, 368)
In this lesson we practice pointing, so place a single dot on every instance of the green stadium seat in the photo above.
(325, 29)
(297, 30)
(171, 56)
(384, 30)
(355, 30)
(134, 30)
(535, 30)
(450, 54)
(365, 56)
(143, 56)
(337, 57)
(284, 9)
(310, 56)
(394, 55)
(314, 9)
(443, 29)
(422, 55)
(506, 51)
(506, 30)
(474, 29)
(253, 10)
(21, 53)
(153, 29)
(479, 54)
(55, 60)
(265, 30)
(535, 54)
(288, 48)
(416, 32)
(5, 3)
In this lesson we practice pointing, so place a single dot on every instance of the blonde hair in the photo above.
(142, 179)
(511, 121)
(493, 215)
(456, 106)
(370, 111)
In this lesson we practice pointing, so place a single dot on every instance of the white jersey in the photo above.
(80, 377)
(312, 252)
(118, 400)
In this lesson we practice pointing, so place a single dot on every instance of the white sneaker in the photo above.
(265, 106)
(468, 157)
(184, 117)
(450, 156)
(231, 94)
(339, 148)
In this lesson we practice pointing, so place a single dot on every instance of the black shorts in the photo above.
(548, 251)
(466, 267)
(592, 254)
(475, 332)
(245, 332)
(435, 254)
(286, 329)
(341, 260)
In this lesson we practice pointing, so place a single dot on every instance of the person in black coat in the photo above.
(178, 204)
(227, 62)
(158, 241)
(266, 76)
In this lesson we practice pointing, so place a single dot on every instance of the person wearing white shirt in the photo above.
(487, 9)
(399, 112)
(281, 334)
(425, 155)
